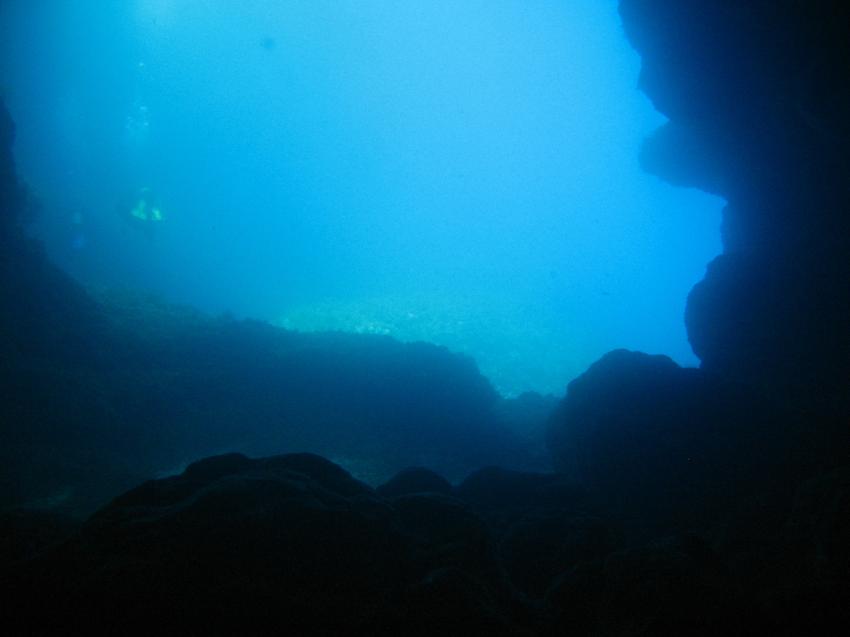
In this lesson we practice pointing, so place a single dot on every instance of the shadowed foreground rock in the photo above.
(288, 544)
(757, 489)
(680, 447)
(294, 544)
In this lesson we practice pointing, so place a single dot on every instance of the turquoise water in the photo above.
(464, 173)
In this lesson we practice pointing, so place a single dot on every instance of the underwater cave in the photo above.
(455, 173)
(424, 317)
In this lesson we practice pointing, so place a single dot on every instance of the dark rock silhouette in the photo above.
(235, 545)
(676, 446)
(249, 545)
(758, 94)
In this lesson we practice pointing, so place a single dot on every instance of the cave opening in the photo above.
(460, 173)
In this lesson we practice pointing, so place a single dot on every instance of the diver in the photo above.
(145, 213)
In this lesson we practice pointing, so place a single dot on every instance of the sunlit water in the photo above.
(458, 172)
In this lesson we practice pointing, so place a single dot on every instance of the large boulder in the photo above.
(675, 447)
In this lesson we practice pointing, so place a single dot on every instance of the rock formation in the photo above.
(758, 96)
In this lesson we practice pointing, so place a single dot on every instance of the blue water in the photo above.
(458, 172)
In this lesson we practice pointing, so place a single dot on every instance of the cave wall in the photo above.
(757, 95)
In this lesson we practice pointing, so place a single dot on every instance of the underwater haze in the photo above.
(463, 173)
